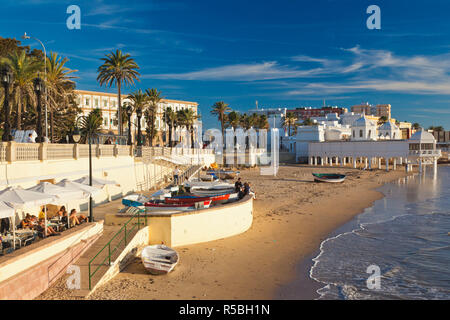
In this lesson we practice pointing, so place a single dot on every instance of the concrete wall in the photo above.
(28, 272)
(398, 148)
(196, 226)
(211, 224)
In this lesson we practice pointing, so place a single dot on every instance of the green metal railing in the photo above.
(124, 232)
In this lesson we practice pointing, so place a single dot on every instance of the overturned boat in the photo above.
(159, 259)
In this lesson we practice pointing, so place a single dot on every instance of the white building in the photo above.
(107, 103)
(389, 130)
(364, 129)
(419, 150)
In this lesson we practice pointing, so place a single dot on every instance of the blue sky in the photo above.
(284, 53)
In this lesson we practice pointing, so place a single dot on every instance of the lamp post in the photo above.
(76, 136)
(129, 113)
(39, 87)
(26, 37)
(6, 78)
(139, 116)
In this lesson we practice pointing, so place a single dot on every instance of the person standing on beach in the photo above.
(176, 174)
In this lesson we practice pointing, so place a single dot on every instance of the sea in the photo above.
(397, 249)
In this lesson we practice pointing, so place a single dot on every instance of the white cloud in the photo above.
(355, 70)
(242, 72)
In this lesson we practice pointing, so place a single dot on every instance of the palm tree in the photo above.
(263, 123)
(24, 69)
(118, 69)
(90, 125)
(154, 97)
(416, 126)
(188, 118)
(289, 121)
(233, 119)
(138, 100)
(220, 109)
(170, 118)
(439, 128)
(59, 86)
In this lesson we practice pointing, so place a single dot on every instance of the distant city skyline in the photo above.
(281, 54)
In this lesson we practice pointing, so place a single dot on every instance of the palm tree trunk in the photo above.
(119, 108)
(192, 137)
(19, 116)
(170, 136)
(51, 126)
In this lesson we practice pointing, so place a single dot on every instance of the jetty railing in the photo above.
(123, 237)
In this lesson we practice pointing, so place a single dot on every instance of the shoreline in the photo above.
(292, 217)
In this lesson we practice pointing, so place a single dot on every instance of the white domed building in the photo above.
(364, 129)
(422, 149)
(389, 131)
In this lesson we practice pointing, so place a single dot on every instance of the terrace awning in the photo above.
(75, 186)
(19, 198)
(62, 194)
(96, 182)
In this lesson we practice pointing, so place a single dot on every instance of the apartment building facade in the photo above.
(108, 104)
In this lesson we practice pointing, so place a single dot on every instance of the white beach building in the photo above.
(419, 150)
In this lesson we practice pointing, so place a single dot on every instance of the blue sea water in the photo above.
(406, 234)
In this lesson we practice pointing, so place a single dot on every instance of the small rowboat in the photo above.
(192, 199)
(206, 192)
(329, 177)
(161, 205)
(159, 259)
(135, 200)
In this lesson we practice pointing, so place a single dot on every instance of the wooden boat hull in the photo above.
(194, 199)
(159, 259)
(163, 206)
(329, 177)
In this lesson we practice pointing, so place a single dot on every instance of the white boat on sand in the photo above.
(159, 259)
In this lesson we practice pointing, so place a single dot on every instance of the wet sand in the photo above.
(292, 216)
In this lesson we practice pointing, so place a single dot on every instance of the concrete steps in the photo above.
(100, 265)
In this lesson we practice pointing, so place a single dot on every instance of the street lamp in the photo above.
(6, 78)
(26, 37)
(76, 136)
(129, 113)
(39, 87)
(139, 116)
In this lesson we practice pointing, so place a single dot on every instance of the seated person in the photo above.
(74, 220)
(238, 185)
(4, 245)
(33, 222)
(61, 212)
(26, 223)
(50, 230)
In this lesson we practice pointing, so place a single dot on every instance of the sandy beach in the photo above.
(292, 216)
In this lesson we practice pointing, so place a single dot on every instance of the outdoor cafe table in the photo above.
(21, 235)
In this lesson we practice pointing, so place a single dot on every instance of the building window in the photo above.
(360, 133)
(370, 134)
(96, 103)
(88, 101)
(105, 103)
(394, 135)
